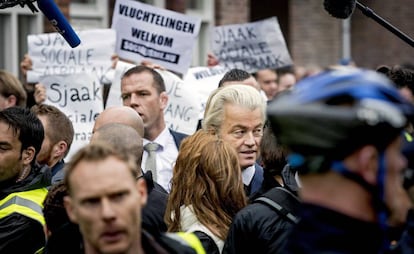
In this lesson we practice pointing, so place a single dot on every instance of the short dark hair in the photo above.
(158, 80)
(26, 124)
(402, 77)
(234, 75)
(272, 154)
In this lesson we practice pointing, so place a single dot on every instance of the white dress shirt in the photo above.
(165, 158)
(247, 174)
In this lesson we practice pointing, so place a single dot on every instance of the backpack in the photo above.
(281, 200)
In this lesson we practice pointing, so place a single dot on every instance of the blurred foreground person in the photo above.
(105, 199)
(344, 130)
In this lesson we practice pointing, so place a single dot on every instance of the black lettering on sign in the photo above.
(208, 73)
(149, 52)
(83, 117)
(82, 136)
(227, 35)
(182, 112)
(60, 94)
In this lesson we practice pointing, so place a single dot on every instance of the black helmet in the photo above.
(333, 113)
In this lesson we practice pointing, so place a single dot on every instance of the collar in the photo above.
(247, 174)
(162, 139)
(57, 167)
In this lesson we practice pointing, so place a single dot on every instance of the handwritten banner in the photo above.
(79, 96)
(182, 111)
(161, 36)
(51, 55)
(251, 46)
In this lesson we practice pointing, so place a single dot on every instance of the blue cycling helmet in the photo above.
(338, 111)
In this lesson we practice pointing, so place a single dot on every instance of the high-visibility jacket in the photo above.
(26, 203)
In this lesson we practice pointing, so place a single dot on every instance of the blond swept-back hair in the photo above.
(10, 85)
(207, 176)
(242, 95)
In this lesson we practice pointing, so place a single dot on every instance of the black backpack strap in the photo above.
(282, 201)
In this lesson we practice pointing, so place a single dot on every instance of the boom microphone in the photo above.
(58, 20)
(340, 9)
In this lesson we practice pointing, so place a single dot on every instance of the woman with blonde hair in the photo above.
(207, 190)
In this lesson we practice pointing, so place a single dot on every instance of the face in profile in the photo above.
(106, 202)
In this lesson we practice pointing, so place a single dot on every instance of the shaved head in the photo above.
(122, 137)
(120, 114)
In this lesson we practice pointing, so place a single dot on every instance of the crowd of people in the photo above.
(280, 163)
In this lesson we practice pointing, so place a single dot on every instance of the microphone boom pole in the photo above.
(371, 14)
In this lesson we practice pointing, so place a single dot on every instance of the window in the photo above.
(89, 14)
(16, 24)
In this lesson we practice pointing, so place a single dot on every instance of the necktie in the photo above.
(151, 164)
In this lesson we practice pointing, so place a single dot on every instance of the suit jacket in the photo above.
(256, 182)
(178, 137)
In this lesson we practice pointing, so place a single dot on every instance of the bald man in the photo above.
(125, 139)
(122, 137)
(120, 114)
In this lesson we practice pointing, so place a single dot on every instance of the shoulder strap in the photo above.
(282, 201)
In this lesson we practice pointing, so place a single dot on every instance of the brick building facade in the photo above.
(312, 35)
(315, 38)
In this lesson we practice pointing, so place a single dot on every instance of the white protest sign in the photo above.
(203, 80)
(251, 46)
(161, 36)
(79, 96)
(114, 95)
(181, 113)
(51, 54)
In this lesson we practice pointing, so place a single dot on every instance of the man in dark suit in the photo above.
(143, 89)
(236, 114)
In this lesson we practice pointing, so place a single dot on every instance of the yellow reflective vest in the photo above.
(27, 203)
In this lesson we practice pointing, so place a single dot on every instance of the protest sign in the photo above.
(79, 96)
(251, 46)
(202, 81)
(51, 54)
(181, 113)
(183, 108)
(114, 95)
(161, 36)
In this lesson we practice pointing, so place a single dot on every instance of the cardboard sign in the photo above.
(161, 36)
(79, 96)
(252, 46)
(51, 54)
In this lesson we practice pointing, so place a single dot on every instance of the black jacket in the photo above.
(258, 228)
(321, 230)
(70, 241)
(178, 137)
(153, 212)
(18, 233)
